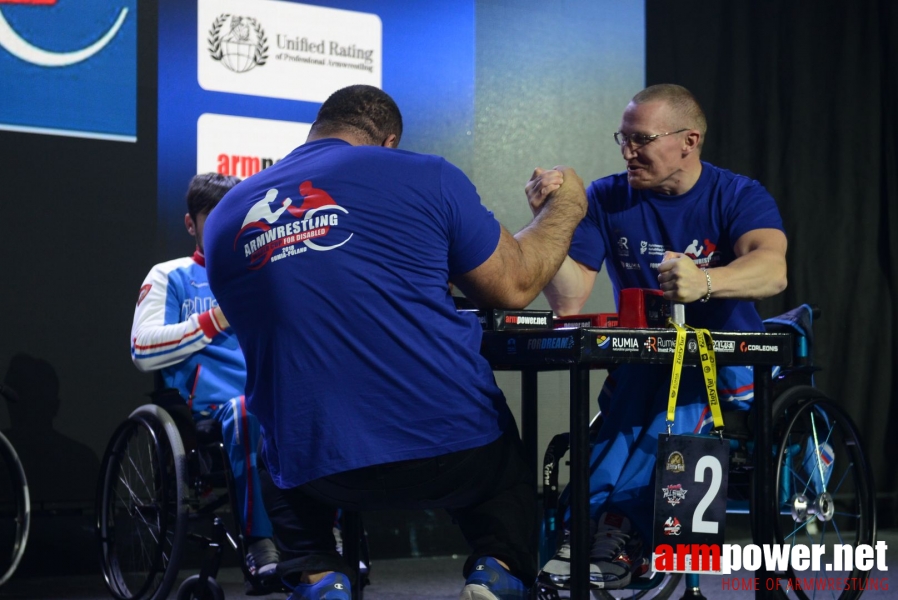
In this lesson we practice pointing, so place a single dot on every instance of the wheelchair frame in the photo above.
(159, 476)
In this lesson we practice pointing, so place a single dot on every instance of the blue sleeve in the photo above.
(588, 244)
(473, 230)
(752, 208)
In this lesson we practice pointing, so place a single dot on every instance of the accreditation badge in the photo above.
(690, 501)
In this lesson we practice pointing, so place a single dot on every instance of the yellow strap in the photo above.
(709, 369)
(679, 352)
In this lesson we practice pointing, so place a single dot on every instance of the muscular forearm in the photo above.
(758, 271)
(569, 289)
(754, 276)
(544, 245)
(523, 264)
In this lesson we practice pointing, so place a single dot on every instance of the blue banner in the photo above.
(69, 68)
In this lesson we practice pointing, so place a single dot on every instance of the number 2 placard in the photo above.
(690, 491)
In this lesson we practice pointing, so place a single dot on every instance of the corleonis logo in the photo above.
(237, 42)
(261, 235)
(19, 47)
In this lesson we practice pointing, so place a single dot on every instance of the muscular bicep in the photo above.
(767, 240)
(492, 284)
(759, 270)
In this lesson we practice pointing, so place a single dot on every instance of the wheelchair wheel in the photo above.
(211, 591)
(142, 506)
(15, 510)
(824, 486)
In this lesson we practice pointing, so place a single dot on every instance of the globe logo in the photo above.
(237, 42)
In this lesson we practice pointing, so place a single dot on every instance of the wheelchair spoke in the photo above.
(799, 480)
(848, 514)
(844, 476)
(817, 452)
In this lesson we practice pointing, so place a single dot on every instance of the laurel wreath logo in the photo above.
(260, 53)
(215, 36)
(262, 44)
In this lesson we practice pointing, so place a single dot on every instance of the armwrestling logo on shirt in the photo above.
(274, 230)
(703, 254)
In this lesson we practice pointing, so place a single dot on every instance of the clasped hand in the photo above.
(680, 279)
(544, 183)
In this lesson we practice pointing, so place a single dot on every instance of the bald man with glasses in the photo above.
(707, 238)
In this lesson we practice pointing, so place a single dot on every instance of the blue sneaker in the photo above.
(490, 581)
(334, 586)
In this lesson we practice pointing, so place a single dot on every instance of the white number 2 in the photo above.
(698, 519)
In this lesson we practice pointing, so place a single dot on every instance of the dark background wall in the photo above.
(801, 96)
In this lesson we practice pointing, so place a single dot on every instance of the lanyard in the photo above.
(709, 371)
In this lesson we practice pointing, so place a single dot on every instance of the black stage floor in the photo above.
(410, 578)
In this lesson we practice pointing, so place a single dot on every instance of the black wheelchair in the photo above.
(824, 485)
(166, 481)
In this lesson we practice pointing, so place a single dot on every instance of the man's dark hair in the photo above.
(365, 110)
(206, 190)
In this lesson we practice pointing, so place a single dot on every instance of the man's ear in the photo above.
(691, 141)
(190, 225)
(392, 141)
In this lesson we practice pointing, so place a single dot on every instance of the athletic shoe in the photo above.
(610, 566)
(490, 581)
(261, 557)
(333, 586)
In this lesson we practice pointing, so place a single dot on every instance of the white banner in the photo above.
(243, 146)
(285, 50)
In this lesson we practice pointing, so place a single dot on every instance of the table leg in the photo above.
(529, 419)
(580, 541)
(763, 511)
(352, 535)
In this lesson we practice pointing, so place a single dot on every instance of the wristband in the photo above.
(707, 279)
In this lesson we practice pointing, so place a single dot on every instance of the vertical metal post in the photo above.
(529, 382)
(580, 541)
(763, 473)
(529, 430)
(352, 536)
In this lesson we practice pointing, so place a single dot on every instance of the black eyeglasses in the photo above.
(641, 139)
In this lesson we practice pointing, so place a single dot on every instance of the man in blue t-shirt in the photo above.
(333, 266)
(706, 237)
